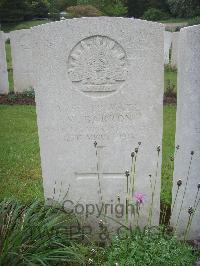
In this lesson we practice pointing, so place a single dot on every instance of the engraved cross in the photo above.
(99, 174)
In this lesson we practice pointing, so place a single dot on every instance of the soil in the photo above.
(16, 99)
(170, 99)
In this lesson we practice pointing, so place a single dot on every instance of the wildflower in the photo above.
(95, 144)
(93, 251)
(139, 198)
(190, 210)
(127, 173)
(90, 261)
(100, 223)
(179, 182)
(132, 154)
(116, 238)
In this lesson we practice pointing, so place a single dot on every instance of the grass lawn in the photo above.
(168, 151)
(170, 79)
(175, 20)
(20, 172)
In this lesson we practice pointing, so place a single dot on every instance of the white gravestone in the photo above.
(90, 88)
(4, 85)
(188, 132)
(167, 46)
(21, 59)
(174, 56)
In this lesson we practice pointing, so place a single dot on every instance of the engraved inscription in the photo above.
(97, 66)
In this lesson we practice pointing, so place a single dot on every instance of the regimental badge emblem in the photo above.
(97, 66)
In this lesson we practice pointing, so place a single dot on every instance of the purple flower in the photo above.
(139, 197)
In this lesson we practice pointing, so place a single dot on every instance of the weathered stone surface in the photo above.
(21, 59)
(4, 86)
(167, 46)
(174, 56)
(188, 131)
(99, 92)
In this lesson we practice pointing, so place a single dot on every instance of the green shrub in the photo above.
(115, 9)
(155, 14)
(36, 9)
(149, 247)
(35, 235)
(184, 8)
(12, 96)
(84, 11)
(19, 10)
(63, 4)
(194, 21)
(30, 93)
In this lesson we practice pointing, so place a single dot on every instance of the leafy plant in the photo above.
(84, 11)
(184, 8)
(155, 14)
(12, 96)
(194, 21)
(54, 10)
(149, 247)
(36, 235)
(30, 93)
(115, 9)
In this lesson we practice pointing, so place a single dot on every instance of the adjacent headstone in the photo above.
(187, 164)
(4, 86)
(21, 59)
(94, 106)
(167, 46)
(174, 55)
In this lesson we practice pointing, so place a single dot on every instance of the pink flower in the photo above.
(139, 197)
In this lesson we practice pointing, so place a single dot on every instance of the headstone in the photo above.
(94, 106)
(4, 86)
(187, 164)
(167, 46)
(21, 59)
(174, 56)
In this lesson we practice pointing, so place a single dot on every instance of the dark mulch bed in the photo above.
(16, 99)
(21, 99)
(170, 98)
